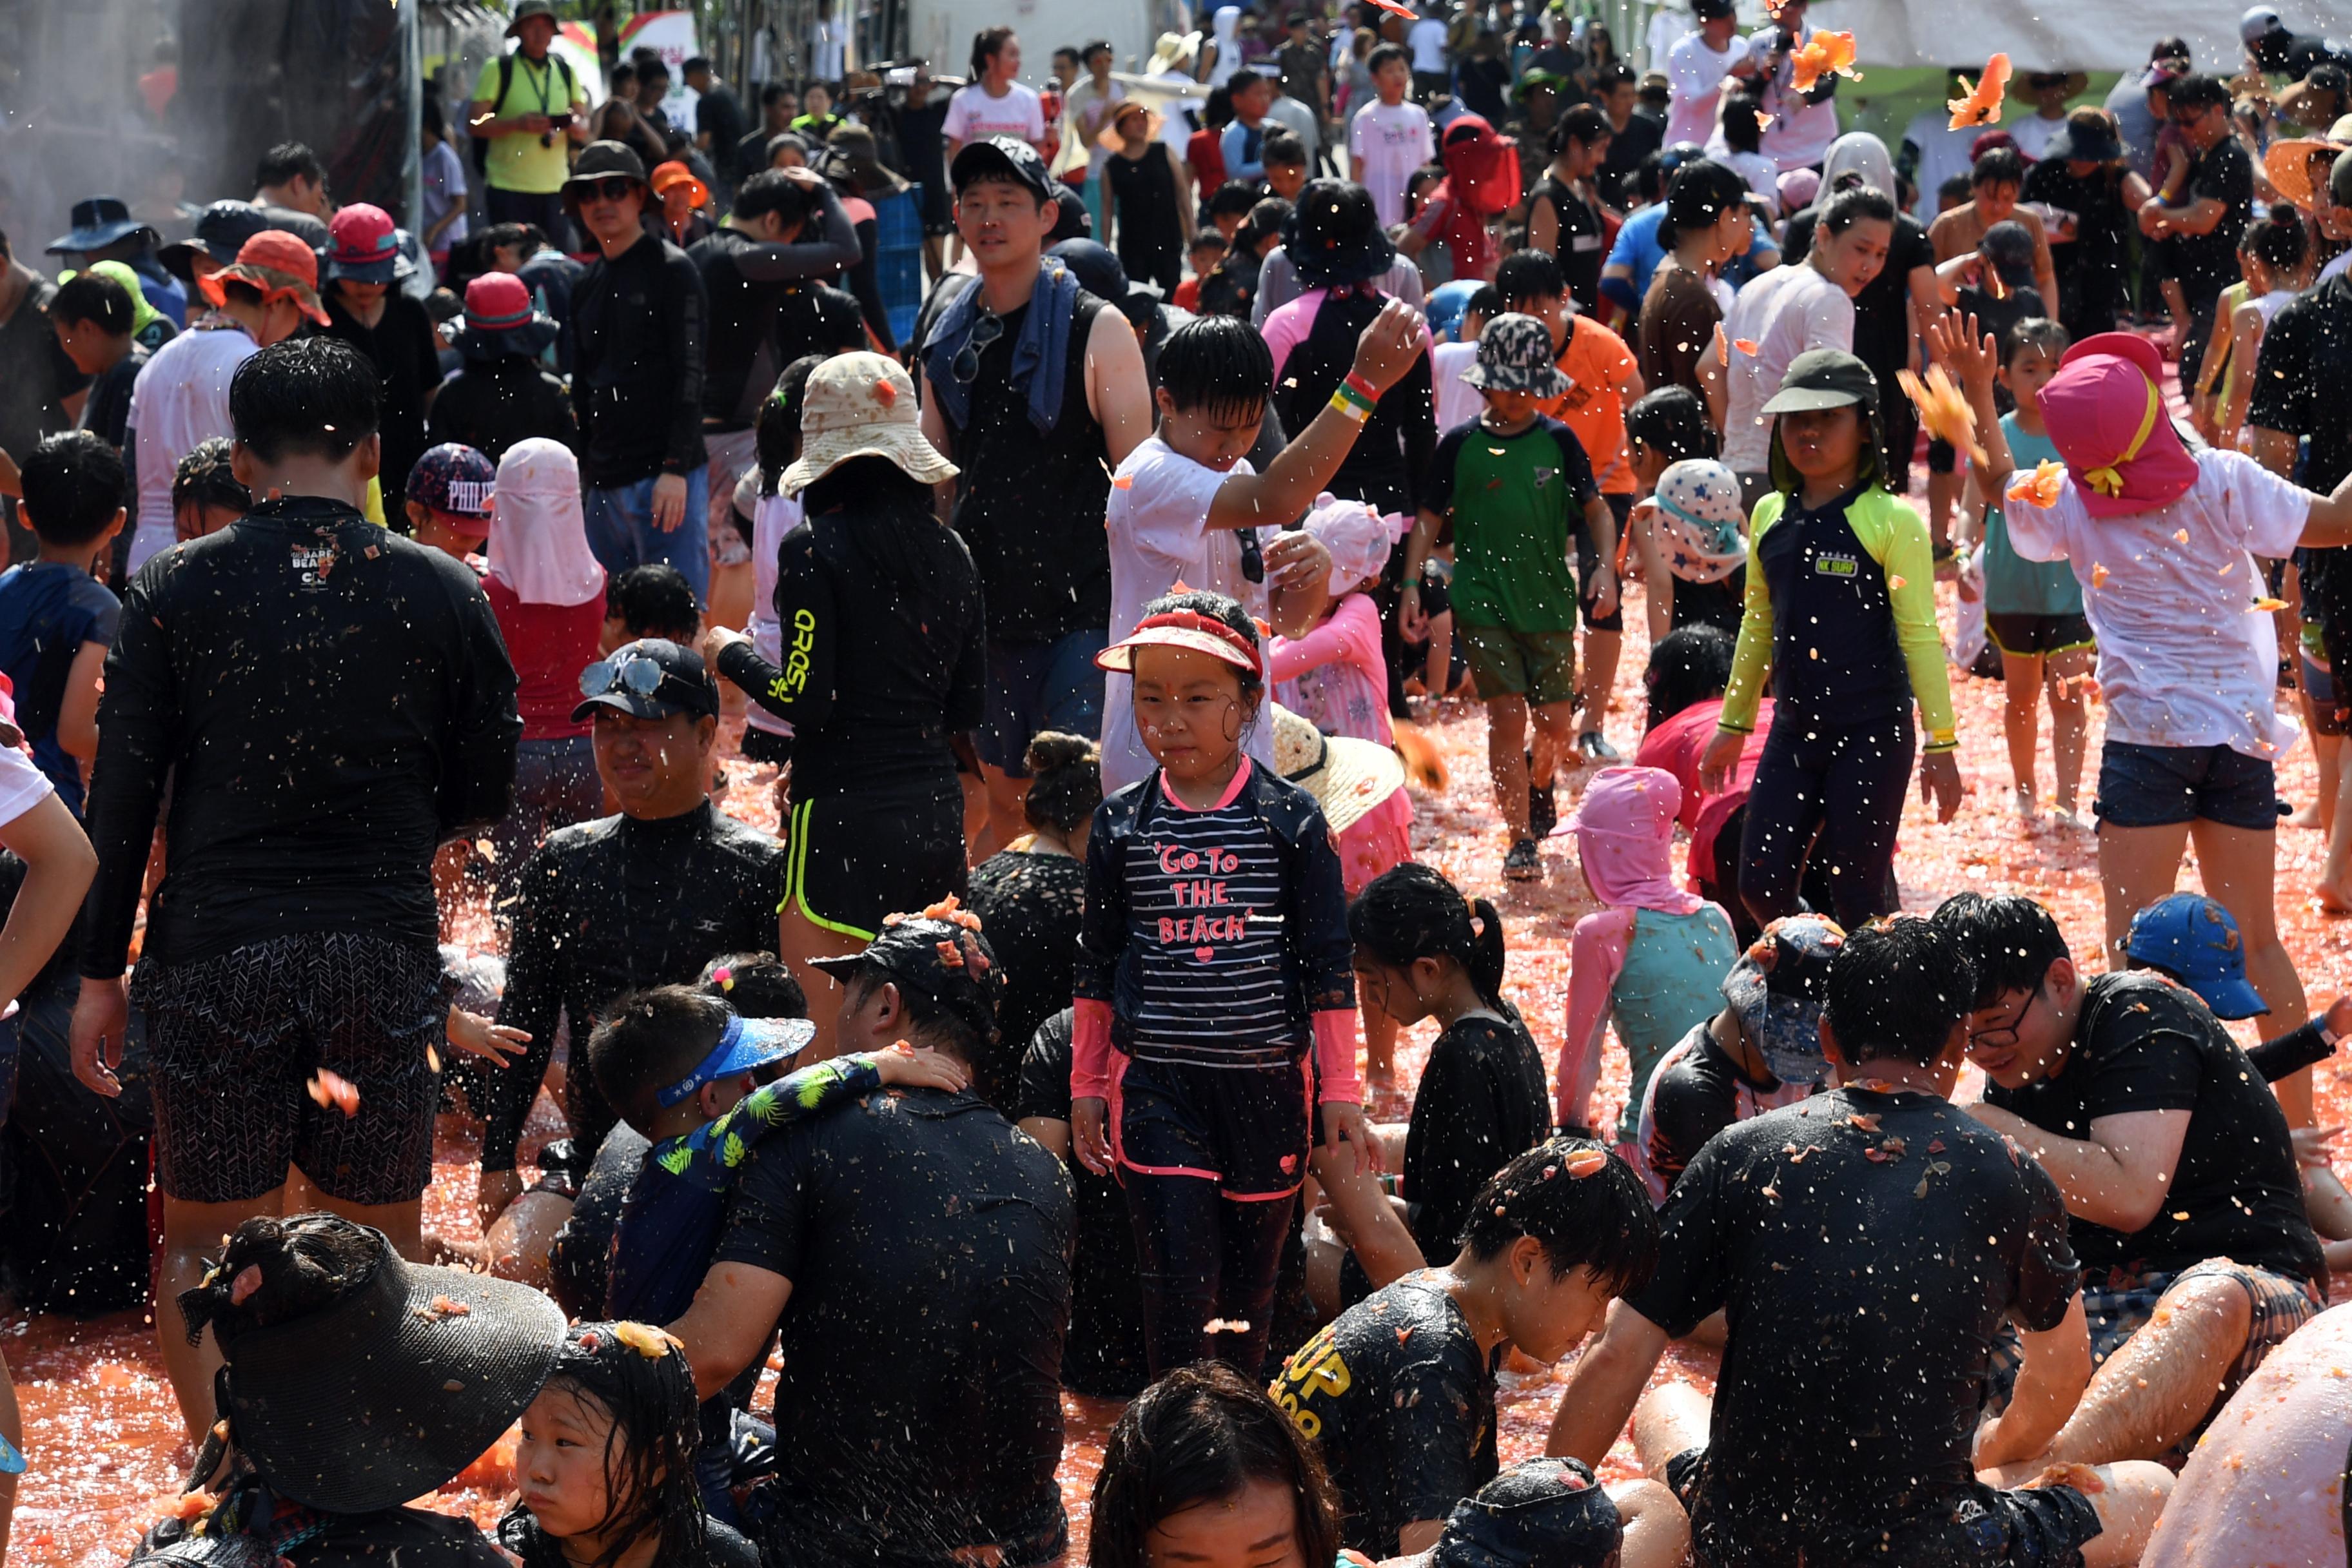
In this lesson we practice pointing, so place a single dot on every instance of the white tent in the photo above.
(2054, 35)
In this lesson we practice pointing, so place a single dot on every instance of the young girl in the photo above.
(1668, 426)
(1214, 960)
(2275, 255)
(2033, 611)
(1839, 605)
(606, 1464)
(1424, 951)
(766, 738)
(1652, 959)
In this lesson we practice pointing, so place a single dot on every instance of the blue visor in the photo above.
(746, 1045)
(12, 1463)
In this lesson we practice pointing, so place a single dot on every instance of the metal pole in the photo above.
(407, 19)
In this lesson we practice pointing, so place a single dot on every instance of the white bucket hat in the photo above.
(862, 406)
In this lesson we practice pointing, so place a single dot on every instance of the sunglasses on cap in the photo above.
(633, 673)
(613, 188)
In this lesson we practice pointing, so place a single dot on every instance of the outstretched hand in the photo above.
(1390, 342)
(1972, 357)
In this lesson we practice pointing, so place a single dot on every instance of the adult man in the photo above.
(2175, 1164)
(93, 315)
(645, 898)
(2127, 100)
(1427, 40)
(1865, 1245)
(221, 230)
(182, 398)
(290, 190)
(529, 106)
(718, 122)
(1632, 137)
(295, 928)
(1304, 75)
(1037, 390)
(636, 337)
(778, 105)
(2212, 215)
(1697, 66)
(912, 1247)
(1803, 124)
(389, 327)
(104, 230)
(35, 375)
(748, 265)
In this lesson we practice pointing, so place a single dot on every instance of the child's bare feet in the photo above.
(2333, 898)
(2028, 808)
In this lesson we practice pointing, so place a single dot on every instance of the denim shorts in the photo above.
(2157, 786)
(1035, 686)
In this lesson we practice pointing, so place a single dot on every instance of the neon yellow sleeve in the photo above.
(1751, 660)
(1898, 540)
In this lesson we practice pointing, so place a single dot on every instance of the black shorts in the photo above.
(1942, 459)
(765, 746)
(2031, 636)
(1246, 1128)
(1587, 558)
(1977, 1527)
(856, 858)
(235, 1041)
(2157, 786)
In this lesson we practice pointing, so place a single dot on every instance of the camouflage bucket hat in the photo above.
(1515, 355)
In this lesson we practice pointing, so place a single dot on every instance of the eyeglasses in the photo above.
(615, 188)
(2005, 1036)
(984, 334)
(633, 673)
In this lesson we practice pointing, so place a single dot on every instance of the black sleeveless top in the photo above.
(1389, 464)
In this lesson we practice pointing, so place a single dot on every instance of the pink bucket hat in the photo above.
(2106, 416)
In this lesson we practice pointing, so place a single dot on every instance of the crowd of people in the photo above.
(1321, 375)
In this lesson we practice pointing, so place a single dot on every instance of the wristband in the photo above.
(1362, 388)
(1353, 407)
(1356, 395)
(1942, 740)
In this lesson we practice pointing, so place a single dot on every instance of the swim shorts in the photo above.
(2157, 786)
(887, 849)
(1538, 666)
(2029, 637)
(236, 1041)
(1246, 1128)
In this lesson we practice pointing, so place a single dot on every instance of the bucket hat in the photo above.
(2106, 416)
(278, 264)
(856, 153)
(2091, 140)
(862, 406)
(99, 222)
(221, 230)
(1698, 518)
(604, 160)
(501, 318)
(526, 9)
(1333, 236)
(365, 244)
(1539, 1513)
(673, 173)
(1347, 777)
(1515, 355)
(1777, 989)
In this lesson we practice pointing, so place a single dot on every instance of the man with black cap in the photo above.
(637, 336)
(912, 1245)
(1036, 391)
(645, 898)
(104, 230)
(528, 107)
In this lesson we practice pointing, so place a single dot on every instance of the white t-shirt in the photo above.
(1426, 39)
(2034, 133)
(1457, 404)
(1159, 537)
(1784, 313)
(974, 116)
(1667, 25)
(22, 785)
(2185, 659)
(1300, 121)
(1392, 140)
(1762, 174)
(772, 517)
(1800, 132)
(179, 401)
(1696, 72)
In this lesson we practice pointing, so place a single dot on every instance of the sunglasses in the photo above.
(984, 334)
(615, 188)
(634, 673)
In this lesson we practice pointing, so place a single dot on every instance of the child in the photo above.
(766, 738)
(1424, 951)
(1839, 605)
(1684, 682)
(1208, 248)
(1232, 289)
(1602, 377)
(1243, 141)
(2033, 610)
(1399, 1392)
(1390, 138)
(1211, 963)
(1668, 426)
(1694, 526)
(444, 187)
(1186, 507)
(1285, 164)
(56, 620)
(448, 500)
(1511, 484)
(1742, 132)
(1650, 959)
(1335, 675)
(650, 601)
(1457, 400)
(2275, 255)
(605, 1467)
(207, 495)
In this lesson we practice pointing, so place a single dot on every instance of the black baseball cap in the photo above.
(1004, 158)
(939, 952)
(221, 232)
(1824, 378)
(651, 677)
(1539, 1513)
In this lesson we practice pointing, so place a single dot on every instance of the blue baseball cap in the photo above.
(745, 1045)
(2194, 940)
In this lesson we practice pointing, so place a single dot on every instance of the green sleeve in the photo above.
(1751, 660)
(1898, 540)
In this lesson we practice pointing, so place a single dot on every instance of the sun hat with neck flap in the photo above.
(862, 406)
(2106, 416)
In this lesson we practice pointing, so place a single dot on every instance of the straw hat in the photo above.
(1173, 50)
(862, 406)
(1115, 140)
(1347, 777)
(2288, 164)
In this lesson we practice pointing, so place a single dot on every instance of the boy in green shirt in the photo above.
(1513, 481)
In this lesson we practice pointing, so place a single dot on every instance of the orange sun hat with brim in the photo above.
(2106, 416)
(1189, 630)
(665, 176)
(278, 264)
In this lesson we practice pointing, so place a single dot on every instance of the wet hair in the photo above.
(2277, 238)
(1898, 988)
(1601, 1221)
(73, 486)
(985, 45)
(287, 162)
(1232, 197)
(2034, 332)
(206, 477)
(1411, 912)
(773, 191)
(1688, 666)
(1065, 780)
(1282, 147)
(930, 1021)
(1743, 130)
(2008, 942)
(95, 297)
(1998, 166)
(758, 985)
(1526, 276)
(1851, 206)
(1384, 54)
(1671, 421)
(648, 1041)
(653, 600)
(779, 430)
(1582, 124)
(1201, 602)
(273, 1270)
(313, 395)
(1216, 365)
(1199, 1435)
(649, 1479)
(527, 238)
(1698, 196)
(1952, 191)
